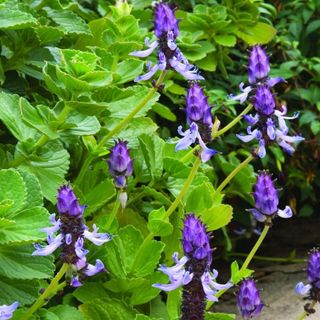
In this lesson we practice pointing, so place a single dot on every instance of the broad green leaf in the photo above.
(219, 316)
(48, 35)
(106, 309)
(50, 167)
(89, 108)
(82, 125)
(260, 33)
(61, 312)
(34, 194)
(38, 117)
(128, 70)
(18, 263)
(98, 196)
(12, 189)
(12, 19)
(11, 116)
(151, 147)
(175, 168)
(147, 258)
(90, 291)
(70, 22)
(158, 224)
(125, 285)
(217, 216)
(164, 112)
(24, 291)
(173, 303)
(145, 292)
(226, 40)
(26, 227)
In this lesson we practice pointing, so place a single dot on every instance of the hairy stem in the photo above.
(120, 126)
(48, 293)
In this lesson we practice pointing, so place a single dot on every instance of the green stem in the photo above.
(233, 173)
(255, 248)
(233, 122)
(185, 188)
(113, 213)
(48, 293)
(305, 313)
(247, 261)
(120, 126)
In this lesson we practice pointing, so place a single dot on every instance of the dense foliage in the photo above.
(68, 93)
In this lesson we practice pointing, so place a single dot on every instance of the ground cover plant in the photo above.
(139, 141)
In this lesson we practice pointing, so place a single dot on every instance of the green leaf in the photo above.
(38, 117)
(226, 40)
(18, 263)
(69, 21)
(61, 312)
(219, 316)
(90, 291)
(151, 147)
(124, 285)
(34, 194)
(88, 108)
(236, 275)
(24, 291)
(260, 33)
(82, 125)
(174, 303)
(164, 112)
(106, 309)
(128, 70)
(11, 117)
(26, 226)
(217, 216)
(12, 19)
(12, 189)
(158, 224)
(98, 196)
(49, 167)
(147, 259)
(48, 34)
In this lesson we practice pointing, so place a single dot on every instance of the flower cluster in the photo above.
(248, 299)
(120, 167)
(312, 289)
(269, 121)
(266, 200)
(6, 312)
(199, 117)
(192, 271)
(166, 30)
(72, 231)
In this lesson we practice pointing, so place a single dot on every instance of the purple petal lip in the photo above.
(6, 311)
(302, 289)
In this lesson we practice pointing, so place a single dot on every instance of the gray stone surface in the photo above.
(277, 291)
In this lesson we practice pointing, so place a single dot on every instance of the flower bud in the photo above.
(313, 269)
(259, 67)
(248, 299)
(265, 194)
(68, 203)
(165, 20)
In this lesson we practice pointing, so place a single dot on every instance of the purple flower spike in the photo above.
(193, 271)
(6, 312)
(313, 269)
(248, 299)
(195, 239)
(266, 199)
(259, 67)
(169, 56)
(120, 163)
(68, 203)
(72, 232)
(264, 101)
(165, 21)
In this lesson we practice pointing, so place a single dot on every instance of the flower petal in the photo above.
(45, 251)
(97, 238)
(286, 213)
(145, 53)
(302, 289)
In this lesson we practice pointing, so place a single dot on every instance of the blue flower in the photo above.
(72, 231)
(169, 56)
(6, 312)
